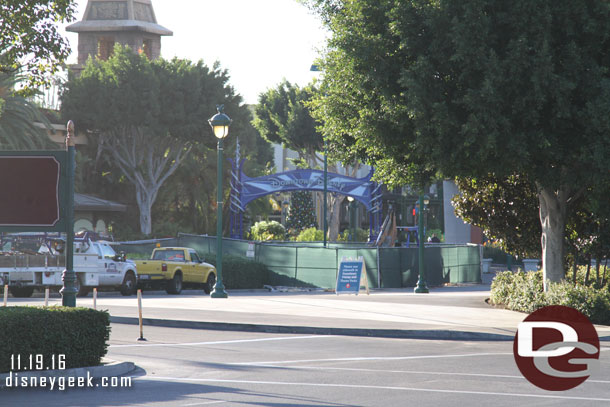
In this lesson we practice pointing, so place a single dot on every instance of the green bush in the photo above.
(81, 334)
(242, 273)
(310, 235)
(594, 303)
(362, 235)
(524, 292)
(267, 230)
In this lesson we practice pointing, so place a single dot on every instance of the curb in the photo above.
(431, 334)
(111, 369)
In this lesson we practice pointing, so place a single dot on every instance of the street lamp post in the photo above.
(325, 194)
(316, 68)
(69, 291)
(220, 123)
(421, 283)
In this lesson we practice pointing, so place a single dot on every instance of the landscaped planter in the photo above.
(530, 264)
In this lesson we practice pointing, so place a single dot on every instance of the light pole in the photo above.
(421, 283)
(316, 68)
(220, 123)
(69, 291)
(325, 194)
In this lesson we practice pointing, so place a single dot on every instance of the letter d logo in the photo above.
(556, 347)
(526, 339)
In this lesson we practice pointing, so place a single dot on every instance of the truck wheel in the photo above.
(21, 292)
(174, 286)
(209, 285)
(81, 290)
(129, 284)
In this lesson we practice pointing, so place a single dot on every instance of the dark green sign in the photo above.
(33, 191)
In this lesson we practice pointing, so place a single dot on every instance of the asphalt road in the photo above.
(183, 367)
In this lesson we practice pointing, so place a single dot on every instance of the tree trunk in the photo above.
(334, 221)
(145, 199)
(597, 266)
(588, 270)
(553, 206)
(146, 163)
(575, 267)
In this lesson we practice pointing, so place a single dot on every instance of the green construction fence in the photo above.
(313, 264)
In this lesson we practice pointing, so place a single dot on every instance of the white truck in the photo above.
(96, 264)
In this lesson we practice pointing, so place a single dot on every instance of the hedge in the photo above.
(81, 334)
(242, 273)
(524, 292)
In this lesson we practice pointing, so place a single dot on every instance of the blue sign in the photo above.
(348, 279)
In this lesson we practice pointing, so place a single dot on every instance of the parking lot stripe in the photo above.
(370, 358)
(281, 338)
(369, 387)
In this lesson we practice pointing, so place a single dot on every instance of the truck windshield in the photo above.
(172, 255)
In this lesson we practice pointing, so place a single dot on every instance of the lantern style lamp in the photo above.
(220, 123)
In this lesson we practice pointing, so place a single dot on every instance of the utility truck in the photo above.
(96, 264)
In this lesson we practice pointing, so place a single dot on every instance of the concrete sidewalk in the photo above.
(446, 313)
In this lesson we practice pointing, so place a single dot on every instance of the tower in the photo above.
(128, 22)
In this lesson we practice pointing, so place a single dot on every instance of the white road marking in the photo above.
(283, 362)
(361, 386)
(282, 338)
(498, 376)
(207, 403)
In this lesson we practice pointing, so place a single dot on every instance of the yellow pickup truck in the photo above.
(173, 268)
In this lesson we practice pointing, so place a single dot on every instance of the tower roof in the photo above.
(119, 15)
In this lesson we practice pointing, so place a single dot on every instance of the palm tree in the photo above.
(22, 124)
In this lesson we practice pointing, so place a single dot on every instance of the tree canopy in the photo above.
(282, 116)
(30, 40)
(471, 88)
(148, 115)
(22, 125)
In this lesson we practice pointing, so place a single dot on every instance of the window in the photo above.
(105, 47)
(147, 48)
(194, 257)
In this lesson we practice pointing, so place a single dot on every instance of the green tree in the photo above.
(470, 88)
(506, 209)
(301, 214)
(147, 115)
(282, 117)
(30, 39)
(187, 200)
(22, 124)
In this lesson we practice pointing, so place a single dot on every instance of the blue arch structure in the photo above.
(245, 189)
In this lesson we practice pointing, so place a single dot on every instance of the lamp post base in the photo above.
(421, 288)
(219, 292)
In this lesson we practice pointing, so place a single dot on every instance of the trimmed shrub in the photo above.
(361, 235)
(81, 334)
(242, 273)
(524, 292)
(310, 235)
(264, 231)
(594, 303)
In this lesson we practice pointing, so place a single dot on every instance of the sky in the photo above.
(260, 42)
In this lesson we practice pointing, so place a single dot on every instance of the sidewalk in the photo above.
(446, 313)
